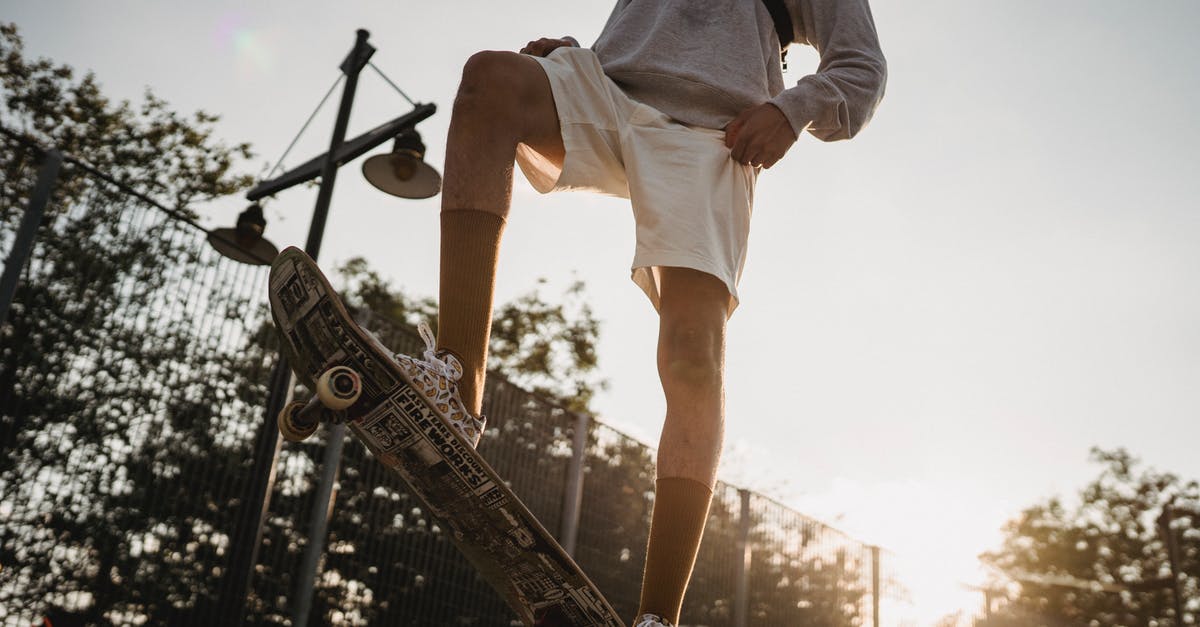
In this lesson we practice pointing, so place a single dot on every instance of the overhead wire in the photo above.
(306, 123)
(389, 82)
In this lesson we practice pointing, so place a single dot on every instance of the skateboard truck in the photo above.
(337, 389)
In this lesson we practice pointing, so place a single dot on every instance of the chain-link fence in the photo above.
(134, 367)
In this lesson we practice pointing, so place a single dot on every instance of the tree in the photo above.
(1104, 561)
(110, 389)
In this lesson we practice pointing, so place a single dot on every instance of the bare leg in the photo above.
(504, 99)
(691, 364)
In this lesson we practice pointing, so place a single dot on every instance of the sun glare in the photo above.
(932, 534)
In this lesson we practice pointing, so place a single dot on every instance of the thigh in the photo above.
(590, 109)
(691, 301)
(507, 97)
(543, 132)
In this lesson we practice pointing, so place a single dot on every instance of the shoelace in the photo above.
(446, 365)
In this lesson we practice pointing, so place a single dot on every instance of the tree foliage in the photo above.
(104, 399)
(1103, 561)
(146, 145)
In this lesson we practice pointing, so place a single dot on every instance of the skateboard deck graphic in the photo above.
(487, 522)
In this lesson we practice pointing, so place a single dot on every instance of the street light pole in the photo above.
(249, 530)
(318, 524)
(351, 67)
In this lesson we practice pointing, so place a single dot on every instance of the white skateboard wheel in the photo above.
(339, 387)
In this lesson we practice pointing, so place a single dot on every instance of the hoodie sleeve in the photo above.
(838, 100)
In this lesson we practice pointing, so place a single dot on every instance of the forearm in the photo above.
(837, 100)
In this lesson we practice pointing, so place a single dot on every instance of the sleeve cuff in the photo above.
(811, 106)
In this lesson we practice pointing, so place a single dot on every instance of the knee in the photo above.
(692, 353)
(491, 82)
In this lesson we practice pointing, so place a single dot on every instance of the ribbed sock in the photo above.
(676, 528)
(470, 250)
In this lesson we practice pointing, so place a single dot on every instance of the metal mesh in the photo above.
(129, 370)
(615, 515)
(710, 596)
(803, 572)
(133, 378)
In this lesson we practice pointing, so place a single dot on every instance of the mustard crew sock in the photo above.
(676, 528)
(467, 285)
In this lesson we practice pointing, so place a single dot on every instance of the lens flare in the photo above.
(252, 51)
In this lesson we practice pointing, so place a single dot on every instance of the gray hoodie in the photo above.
(703, 62)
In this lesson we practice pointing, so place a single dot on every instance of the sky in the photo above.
(939, 318)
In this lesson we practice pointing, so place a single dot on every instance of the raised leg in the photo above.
(504, 99)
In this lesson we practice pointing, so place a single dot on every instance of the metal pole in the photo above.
(322, 509)
(249, 532)
(318, 523)
(573, 492)
(27, 231)
(741, 598)
(875, 586)
(1164, 522)
(353, 64)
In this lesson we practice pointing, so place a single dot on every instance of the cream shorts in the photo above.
(691, 201)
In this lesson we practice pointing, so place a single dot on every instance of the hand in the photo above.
(543, 46)
(759, 136)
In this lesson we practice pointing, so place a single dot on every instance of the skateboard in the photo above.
(355, 381)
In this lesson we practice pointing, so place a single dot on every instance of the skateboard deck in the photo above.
(337, 360)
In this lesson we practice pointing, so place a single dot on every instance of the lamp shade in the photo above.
(245, 242)
(403, 172)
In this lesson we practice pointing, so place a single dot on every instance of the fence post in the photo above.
(318, 525)
(1172, 546)
(875, 586)
(573, 491)
(741, 599)
(27, 231)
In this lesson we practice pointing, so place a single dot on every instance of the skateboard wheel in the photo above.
(339, 387)
(290, 428)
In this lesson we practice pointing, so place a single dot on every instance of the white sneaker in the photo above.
(436, 376)
(650, 620)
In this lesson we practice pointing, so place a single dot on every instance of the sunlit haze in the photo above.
(939, 318)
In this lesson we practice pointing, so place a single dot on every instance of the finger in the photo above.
(741, 150)
(548, 45)
(733, 129)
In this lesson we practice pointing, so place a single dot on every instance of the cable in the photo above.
(306, 123)
(389, 82)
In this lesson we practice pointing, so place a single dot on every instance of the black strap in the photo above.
(783, 21)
